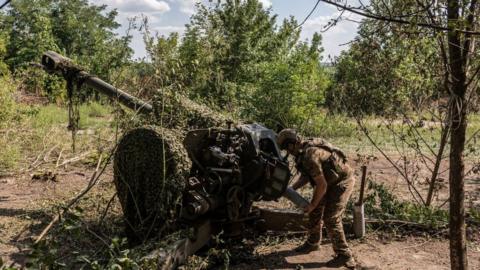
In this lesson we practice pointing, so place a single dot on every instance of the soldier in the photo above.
(325, 168)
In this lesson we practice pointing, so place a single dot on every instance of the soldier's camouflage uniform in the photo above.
(318, 157)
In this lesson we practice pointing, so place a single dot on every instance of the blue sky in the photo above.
(166, 16)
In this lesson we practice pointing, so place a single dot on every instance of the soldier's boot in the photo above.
(306, 247)
(312, 243)
(342, 260)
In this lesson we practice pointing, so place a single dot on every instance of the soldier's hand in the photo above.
(308, 209)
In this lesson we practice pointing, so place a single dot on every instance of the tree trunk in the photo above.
(458, 125)
(458, 247)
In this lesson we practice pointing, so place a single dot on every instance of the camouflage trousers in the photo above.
(330, 212)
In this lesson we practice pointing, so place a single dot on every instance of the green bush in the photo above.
(78, 29)
(382, 204)
(384, 74)
(3, 50)
(38, 82)
(10, 152)
(9, 155)
(7, 100)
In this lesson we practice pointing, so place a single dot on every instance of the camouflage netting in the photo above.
(150, 167)
(177, 111)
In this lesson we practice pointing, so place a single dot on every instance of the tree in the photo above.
(228, 39)
(234, 55)
(453, 24)
(77, 29)
(462, 15)
(389, 73)
(386, 72)
(291, 90)
(85, 32)
(164, 57)
(29, 29)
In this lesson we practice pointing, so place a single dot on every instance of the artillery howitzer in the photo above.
(205, 185)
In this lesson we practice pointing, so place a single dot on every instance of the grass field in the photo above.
(43, 129)
(392, 136)
(40, 134)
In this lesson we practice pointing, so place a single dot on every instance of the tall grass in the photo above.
(7, 100)
(345, 133)
(41, 132)
(92, 115)
(9, 155)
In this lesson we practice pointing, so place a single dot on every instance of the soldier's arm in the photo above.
(300, 181)
(320, 189)
(313, 165)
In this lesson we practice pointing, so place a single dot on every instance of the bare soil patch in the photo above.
(372, 252)
(382, 171)
(26, 207)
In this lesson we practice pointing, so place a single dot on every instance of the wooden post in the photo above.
(358, 211)
(362, 185)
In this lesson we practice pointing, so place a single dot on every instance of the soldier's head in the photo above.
(289, 140)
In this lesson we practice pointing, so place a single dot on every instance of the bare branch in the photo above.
(397, 20)
(93, 181)
(413, 190)
(4, 4)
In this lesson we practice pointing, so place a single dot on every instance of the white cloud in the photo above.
(186, 6)
(135, 6)
(167, 16)
(342, 32)
(321, 23)
(266, 3)
(154, 10)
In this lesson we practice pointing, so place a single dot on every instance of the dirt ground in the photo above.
(372, 252)
(26, 208)
(381, 171)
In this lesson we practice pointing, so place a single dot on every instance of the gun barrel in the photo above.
(114, 93)
(56, 63)
(295, 197)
